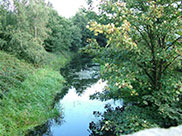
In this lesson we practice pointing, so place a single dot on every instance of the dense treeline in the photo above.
(29, 28)
(32, 31)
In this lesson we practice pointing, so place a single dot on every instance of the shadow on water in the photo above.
(74, 79)
(74, 102)
(80, 73)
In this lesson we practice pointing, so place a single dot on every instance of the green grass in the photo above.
(12, 71)
(27, 93)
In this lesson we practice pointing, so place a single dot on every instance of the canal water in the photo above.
(76, 106)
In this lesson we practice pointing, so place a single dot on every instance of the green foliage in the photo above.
(81, 20)
(142, 53)
(59, 36)
(124, 120)
(57, 61)
(168, 102)
(24, 29)
(64, 35)
(31, 28)
(76, 38)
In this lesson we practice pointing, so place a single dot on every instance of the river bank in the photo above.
(83, 80)
(27, 92)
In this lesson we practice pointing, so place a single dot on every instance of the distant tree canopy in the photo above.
(30, 28)
(63, 35)
(24, 28)
(81, 21)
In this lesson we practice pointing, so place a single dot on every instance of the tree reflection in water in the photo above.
(80, 74)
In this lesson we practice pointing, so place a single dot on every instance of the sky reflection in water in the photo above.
(83, 81)
(78, 109)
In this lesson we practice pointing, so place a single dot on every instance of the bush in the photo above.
(123, 120)
(35, 55)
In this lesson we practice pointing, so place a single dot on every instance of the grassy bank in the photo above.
(27, 92)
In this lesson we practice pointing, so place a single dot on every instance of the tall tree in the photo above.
(61, 34)
(24, 28)
(81, 21)
(143, 49)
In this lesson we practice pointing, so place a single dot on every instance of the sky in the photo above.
(67, 8)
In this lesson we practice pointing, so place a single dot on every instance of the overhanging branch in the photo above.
(165, 68)
(172, 44)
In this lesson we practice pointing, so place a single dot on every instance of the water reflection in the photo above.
(81, 74)
(82, 81)
(78, 111)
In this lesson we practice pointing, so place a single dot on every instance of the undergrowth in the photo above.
(12, 71)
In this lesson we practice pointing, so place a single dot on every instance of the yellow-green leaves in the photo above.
(117, 36)
(142, 59)
(142, 44)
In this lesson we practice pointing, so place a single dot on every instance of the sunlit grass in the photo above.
(28, 101)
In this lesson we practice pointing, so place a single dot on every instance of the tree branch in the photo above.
(169, 64)
(174, 42)
(144, 38)
(163, 41)
(154, 61)
(145, 70)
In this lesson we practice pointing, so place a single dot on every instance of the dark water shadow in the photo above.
(74, 79)
(81, 64)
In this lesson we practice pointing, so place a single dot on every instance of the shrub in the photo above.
(122, 120)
